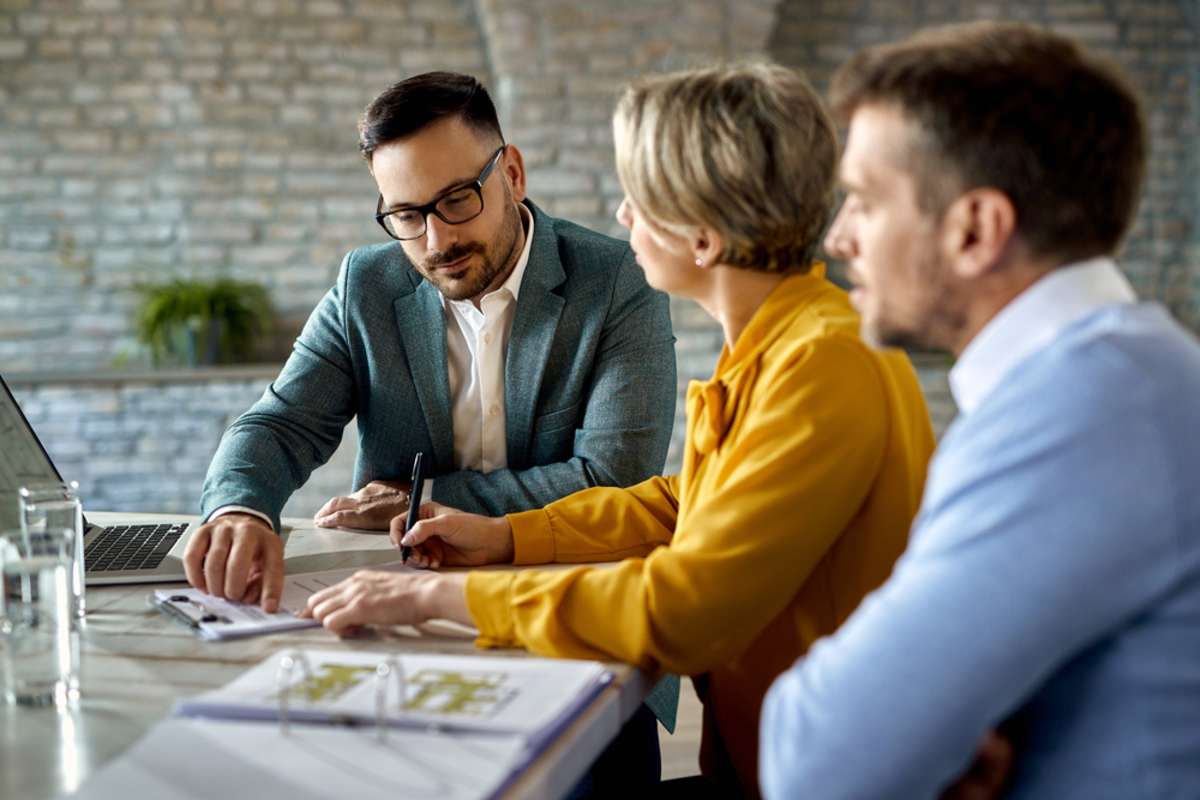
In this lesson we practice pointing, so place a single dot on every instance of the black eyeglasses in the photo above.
(454, 207)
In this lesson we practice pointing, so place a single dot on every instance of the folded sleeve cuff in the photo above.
(489, 599)
(533, 539)
(223, 510)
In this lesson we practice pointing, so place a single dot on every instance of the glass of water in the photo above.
(39, 647)
(53, 506)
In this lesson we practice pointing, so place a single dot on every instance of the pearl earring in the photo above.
(699, 262)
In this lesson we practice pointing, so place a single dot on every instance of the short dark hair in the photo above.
(417, 102)
(1029, 112)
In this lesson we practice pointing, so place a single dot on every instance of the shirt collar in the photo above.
(1033, 320)
(512, 284)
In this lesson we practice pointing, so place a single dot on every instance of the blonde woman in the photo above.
(805, 452)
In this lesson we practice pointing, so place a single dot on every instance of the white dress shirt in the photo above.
(1031, 322)
(476, 350)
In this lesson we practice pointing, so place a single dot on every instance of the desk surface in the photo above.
(135, 663)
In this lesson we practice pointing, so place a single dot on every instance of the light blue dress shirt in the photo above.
(1052, 579)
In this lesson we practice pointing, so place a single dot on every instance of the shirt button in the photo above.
(487, 338)
(494, 411)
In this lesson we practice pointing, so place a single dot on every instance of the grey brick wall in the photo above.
(146, 139)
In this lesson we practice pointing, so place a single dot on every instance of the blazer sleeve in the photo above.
(269, 451)
(627, 420)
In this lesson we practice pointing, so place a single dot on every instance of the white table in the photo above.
(136, 663)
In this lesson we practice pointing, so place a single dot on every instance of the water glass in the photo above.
(39, 646)
(50, 507)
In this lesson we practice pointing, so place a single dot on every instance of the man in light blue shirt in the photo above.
(1051, 588)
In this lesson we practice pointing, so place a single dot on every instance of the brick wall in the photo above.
(146, 139)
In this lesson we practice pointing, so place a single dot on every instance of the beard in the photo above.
(488, 265)
(938, 316)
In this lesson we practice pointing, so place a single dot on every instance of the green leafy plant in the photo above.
(201, 322)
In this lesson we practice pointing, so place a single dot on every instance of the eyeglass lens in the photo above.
(457, 207)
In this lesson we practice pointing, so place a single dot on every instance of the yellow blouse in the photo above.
(803, 468)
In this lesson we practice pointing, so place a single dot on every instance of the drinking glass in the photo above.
(39, 647)
(52, 506)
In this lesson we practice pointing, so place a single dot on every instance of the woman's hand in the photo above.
(389, 598)
(447, 537)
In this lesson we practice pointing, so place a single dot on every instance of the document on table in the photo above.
(530, 697)
(201, 759)
(214, 618)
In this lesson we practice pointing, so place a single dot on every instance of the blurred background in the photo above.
(167, 163)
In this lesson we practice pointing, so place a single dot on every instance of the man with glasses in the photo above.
(523, 355)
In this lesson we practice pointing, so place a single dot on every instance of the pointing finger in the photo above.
(272, 574)
(193, 557)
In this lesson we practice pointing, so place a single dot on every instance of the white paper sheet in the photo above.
(214, 618)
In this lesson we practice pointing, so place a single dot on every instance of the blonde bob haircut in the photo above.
(747, 150)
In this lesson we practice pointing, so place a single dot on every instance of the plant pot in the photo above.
(195, 343)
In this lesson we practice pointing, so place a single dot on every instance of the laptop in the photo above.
(131, 551)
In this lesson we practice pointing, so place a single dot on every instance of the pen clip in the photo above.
(416, 473)
(178, 614)
(178, 605)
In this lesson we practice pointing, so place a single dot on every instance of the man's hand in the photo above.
(986, 777)
(237, 557)
(448, 537)
(389, 598)
(371, 508)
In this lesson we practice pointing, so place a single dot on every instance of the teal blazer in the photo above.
(589, 383)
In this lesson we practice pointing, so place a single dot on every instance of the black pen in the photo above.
(414, 505)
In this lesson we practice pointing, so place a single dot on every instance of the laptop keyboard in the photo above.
(122, 547)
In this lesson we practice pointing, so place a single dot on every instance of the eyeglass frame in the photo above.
(431, 207)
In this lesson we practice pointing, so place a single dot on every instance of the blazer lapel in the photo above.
(539, 307)
(422, 323)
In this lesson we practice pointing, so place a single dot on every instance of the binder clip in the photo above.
(385, 670)
(283, 682)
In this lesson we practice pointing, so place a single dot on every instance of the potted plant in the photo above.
(195, 323)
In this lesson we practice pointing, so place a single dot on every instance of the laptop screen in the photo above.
(23, 460)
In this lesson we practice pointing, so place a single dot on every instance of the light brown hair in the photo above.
(1020, 109)
(746, 150)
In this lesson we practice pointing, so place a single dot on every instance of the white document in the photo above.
(186, 758)
(530, 697)
(215, 618)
